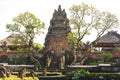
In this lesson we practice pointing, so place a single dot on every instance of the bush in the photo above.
(80, 74)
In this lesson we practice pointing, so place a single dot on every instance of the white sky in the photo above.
(43, 9)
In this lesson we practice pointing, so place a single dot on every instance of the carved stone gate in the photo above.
(56, 42)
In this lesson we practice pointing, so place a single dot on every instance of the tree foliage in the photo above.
(38, 46)
(27, 25)
(86, 18)
(107, 56)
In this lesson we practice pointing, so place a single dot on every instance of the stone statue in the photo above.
(32, 73)
(3, 72)
(62, 62)
(22, 73)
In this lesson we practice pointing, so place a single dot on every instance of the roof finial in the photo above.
(59, 8)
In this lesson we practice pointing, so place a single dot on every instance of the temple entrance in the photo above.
(56, 42)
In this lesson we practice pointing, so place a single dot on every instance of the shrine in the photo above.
(56, 43)
(110, 42)
(11, 43)
(9, 48)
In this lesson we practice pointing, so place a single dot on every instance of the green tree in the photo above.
(38, 46)
(27, 25)
(107, 56)
(85, 19)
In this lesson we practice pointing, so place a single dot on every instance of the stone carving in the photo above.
(59, 17)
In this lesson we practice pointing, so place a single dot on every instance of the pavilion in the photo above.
(109, 42)
(8, 47)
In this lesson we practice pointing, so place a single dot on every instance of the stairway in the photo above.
(55, 63)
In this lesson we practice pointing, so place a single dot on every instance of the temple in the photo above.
(56, 42)
(109, 41)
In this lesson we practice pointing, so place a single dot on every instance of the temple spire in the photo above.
(59, 8)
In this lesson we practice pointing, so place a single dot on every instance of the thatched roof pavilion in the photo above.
(9, 42)
(111, 39)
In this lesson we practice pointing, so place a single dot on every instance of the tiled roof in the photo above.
(110, 37)
(9, 40)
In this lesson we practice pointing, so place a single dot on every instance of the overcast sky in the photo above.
(43, 9)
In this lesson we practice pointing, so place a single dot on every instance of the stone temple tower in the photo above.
(56, 42)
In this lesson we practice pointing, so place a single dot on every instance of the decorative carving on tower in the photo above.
(56, 42)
